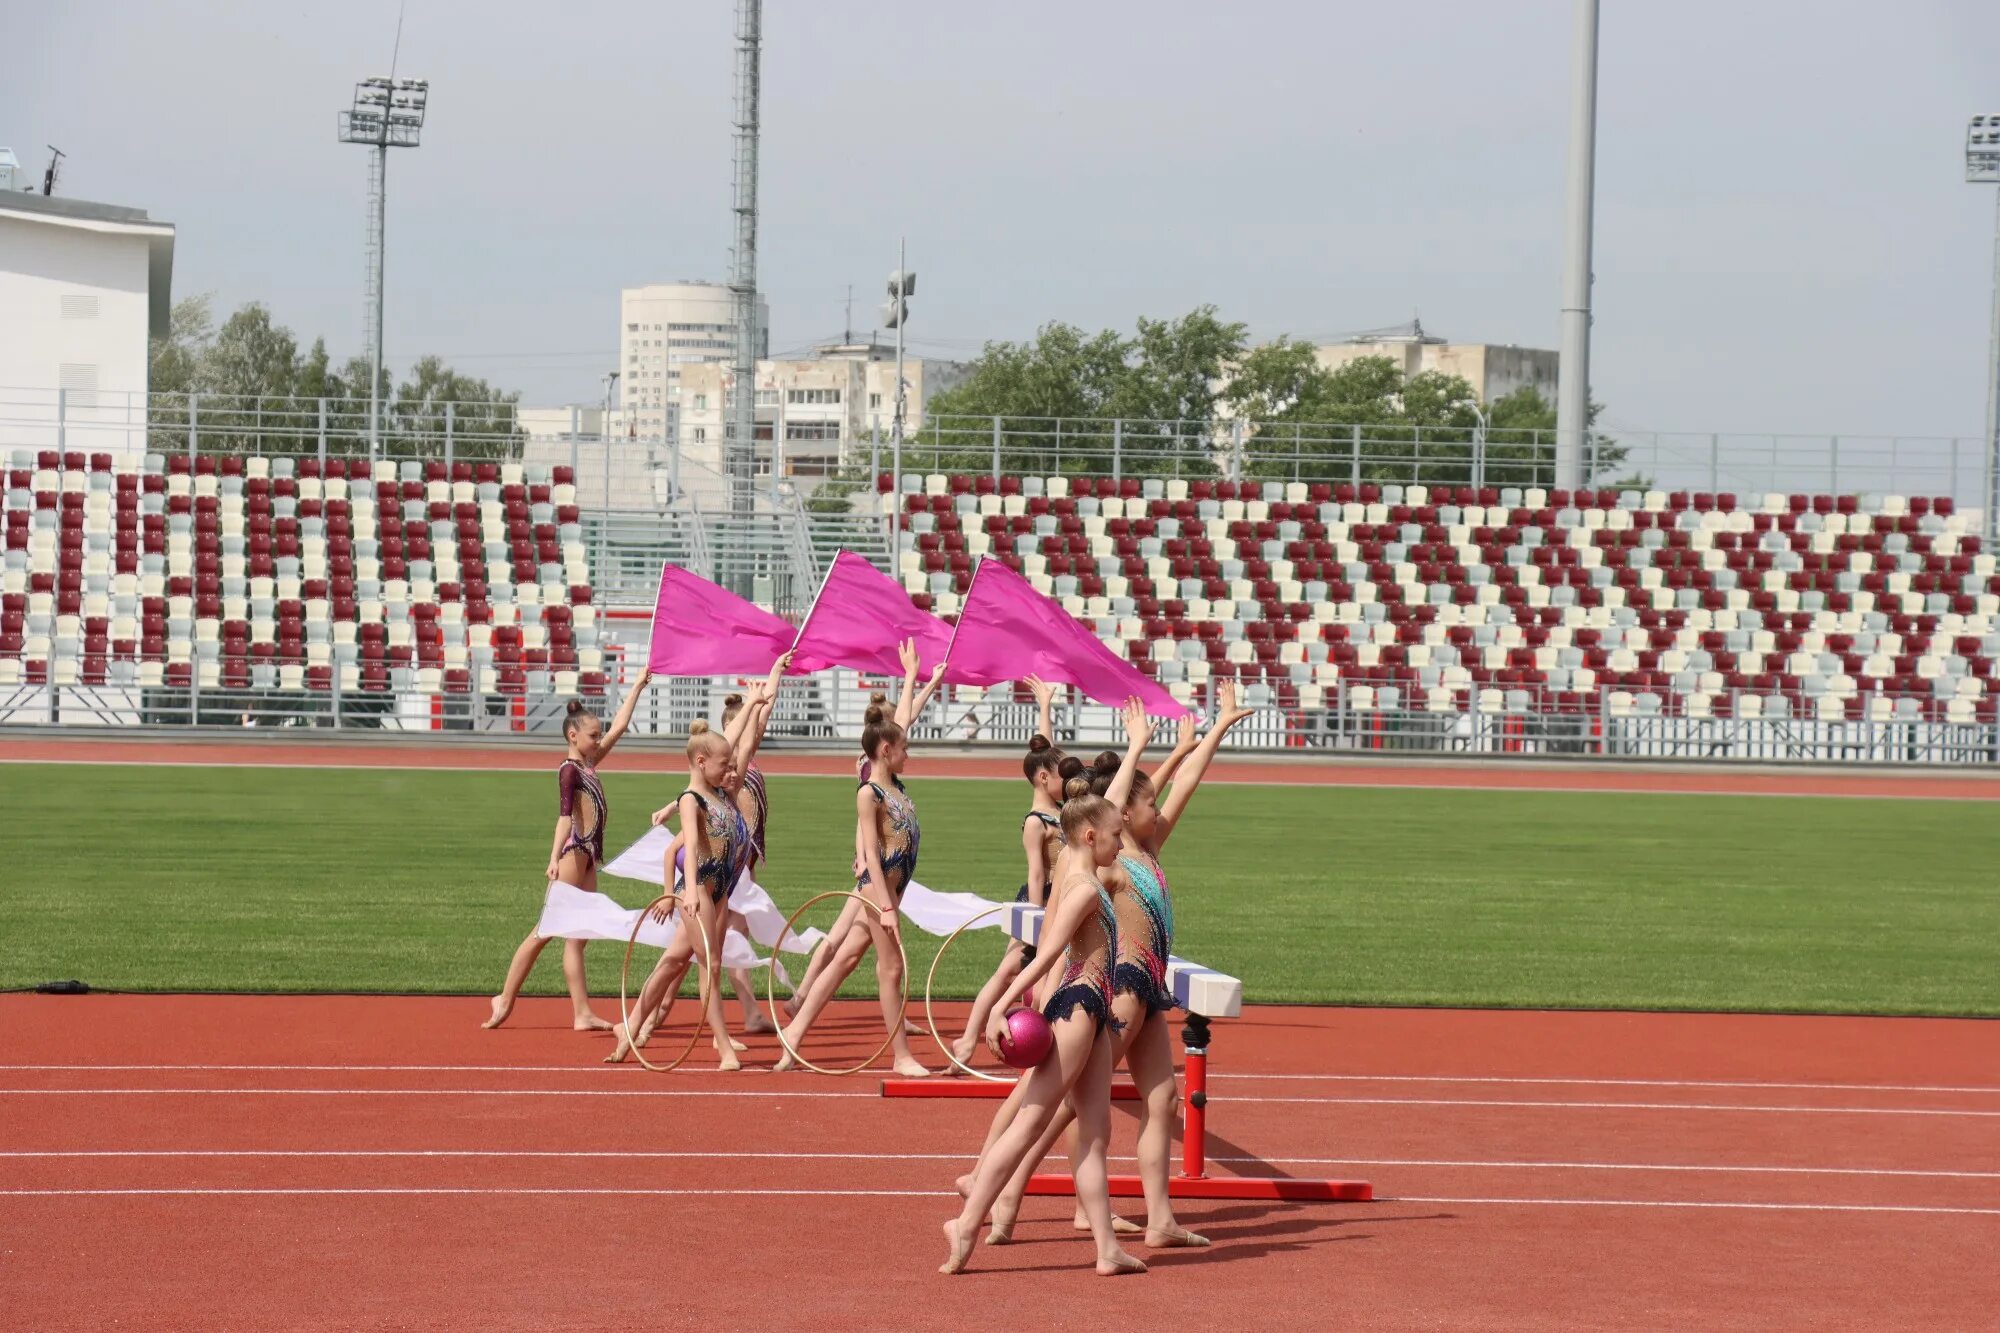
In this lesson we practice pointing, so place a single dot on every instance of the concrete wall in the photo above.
(74, 313)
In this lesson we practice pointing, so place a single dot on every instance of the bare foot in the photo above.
(1118, 1263)
(757, 1023)
(622, 1049)
(590, 1023)
(500, 1011)
(963, 1185)
(1173, 1237)
(734, 1045)
(728, 1063)
(912, 1028)
(1119, 1226)
(791, 1007)
(961, 1248)
(961, 1054)
(786, 1064)
(1000, 1221)
(907, 1067)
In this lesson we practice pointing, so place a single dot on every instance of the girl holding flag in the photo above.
(887, 835)
(578, 848)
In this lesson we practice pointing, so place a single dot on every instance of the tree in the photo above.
(1060, 392)
(246, 388)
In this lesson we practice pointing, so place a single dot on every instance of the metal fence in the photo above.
(826, 710)
(649, 472)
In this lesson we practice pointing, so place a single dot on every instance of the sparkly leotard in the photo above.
(1086, 974)
(586, 816)
(1145, 934)
(900, 835)
(1052, 842)
(728, 839)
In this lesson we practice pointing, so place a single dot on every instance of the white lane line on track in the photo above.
(697, 1092)
(418, 1092)
(558, 1154)
(472, 1189)
(1705, 1203)
(933, 1194)
(1222, 777)
(1214, 1076)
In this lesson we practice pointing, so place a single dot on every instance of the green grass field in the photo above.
(304, 880)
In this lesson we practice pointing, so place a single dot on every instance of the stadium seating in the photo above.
(283, 573)
(1504, 599)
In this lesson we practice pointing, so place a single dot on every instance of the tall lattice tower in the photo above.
(741, 431)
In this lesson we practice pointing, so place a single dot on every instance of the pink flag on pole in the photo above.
(1007, 630)
(701, 629)
(859, 617)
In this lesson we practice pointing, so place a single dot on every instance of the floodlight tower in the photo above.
(387, 113)
(1573, 369)
(896, 314)
(1982, 167)
(740, 431)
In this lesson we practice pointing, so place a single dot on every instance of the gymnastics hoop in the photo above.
(930, 1019)
(625, 1005)
(771, 987)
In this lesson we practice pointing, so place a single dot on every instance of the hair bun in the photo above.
(698, 727)
(575, 707)
(733, 701)
(1039, 743)
(878, 699)
(1076, 787)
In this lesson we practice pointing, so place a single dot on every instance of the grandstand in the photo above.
(1508, 600)
(293, 574)
(1366, 614)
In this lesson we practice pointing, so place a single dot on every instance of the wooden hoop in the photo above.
(701, 990)
(771, 987)
(930, 1019)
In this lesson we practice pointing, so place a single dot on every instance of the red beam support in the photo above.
(1193, 1182)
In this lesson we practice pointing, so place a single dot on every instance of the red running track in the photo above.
(1472, 774)
(337, 1163)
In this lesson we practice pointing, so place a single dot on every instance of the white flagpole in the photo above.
(970, 588)
(803, 624)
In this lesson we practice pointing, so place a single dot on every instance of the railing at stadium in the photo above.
(827, 709)
(132, 423)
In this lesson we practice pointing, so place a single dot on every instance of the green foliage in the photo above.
(247, 388)
(1164, 377)
(401, 880)
(1365, 420)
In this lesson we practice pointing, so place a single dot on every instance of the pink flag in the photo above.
(1007, 630)
(700, 629)
(859, 617)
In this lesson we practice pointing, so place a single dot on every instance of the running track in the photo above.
(338, 1163)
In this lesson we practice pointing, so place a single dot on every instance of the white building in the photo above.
(1493, 370)
(83, 287)
(811, 413)
(664, 327)
(583, 436)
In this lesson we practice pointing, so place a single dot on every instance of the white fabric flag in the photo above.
(571, 913)
(646, 861)
(941, 913)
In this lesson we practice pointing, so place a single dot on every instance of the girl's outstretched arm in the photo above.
(757, 713)
(1045, 707)
(1227, 715)
(1184, 743)
(616, 731)
(1138, 733)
